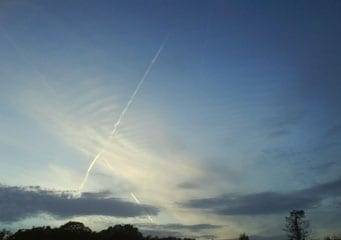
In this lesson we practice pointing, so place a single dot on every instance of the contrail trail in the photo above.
(135, 198)
(139, 203)
(132, 194)
(125, 109)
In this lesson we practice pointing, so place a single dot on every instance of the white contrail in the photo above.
(139, 203)
(125, 109)
(135, 198)
(131, 194)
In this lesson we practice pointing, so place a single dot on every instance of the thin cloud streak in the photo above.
(27, 61)
(122, 114)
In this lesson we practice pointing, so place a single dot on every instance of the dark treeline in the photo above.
(296, 228)
(78, 231)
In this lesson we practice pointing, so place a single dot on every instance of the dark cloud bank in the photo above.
(268, 202)
(17, 203)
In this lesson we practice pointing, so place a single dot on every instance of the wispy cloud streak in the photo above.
(26, 59)
(122, 114)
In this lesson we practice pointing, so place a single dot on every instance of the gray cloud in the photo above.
(194, 227)
(333, 131)
(101, 194)
(162, 233)
(188, 185)
(205, 236)
(17, 203)
(253, 204)
(268, 202)
(285, 121)
(176, 226)
(325, 190)
(274, 237)
(259, 237)
(281, 125)
(324, 166)
(197, 231)
(278, 133)
(291, 154)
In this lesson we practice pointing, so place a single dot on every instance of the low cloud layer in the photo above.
(17, 203)
(268, 202)
(188, 185)
(176, 226)
(197, 231)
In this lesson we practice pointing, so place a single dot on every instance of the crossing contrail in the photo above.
(132, 194)
(120, 117)
(139, 203)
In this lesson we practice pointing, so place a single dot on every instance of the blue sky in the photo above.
(242, 103)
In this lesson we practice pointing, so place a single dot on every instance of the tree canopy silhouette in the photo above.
(78, 231)
(296, 225)
(243, 236)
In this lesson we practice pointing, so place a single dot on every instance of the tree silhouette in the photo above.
(78, 231)
(333, 237)
(243, 236)
(121, 232)
(34, 233)
(4, 234)
(296, 225)
(74, 227)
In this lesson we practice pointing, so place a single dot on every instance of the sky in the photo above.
(237, 122)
